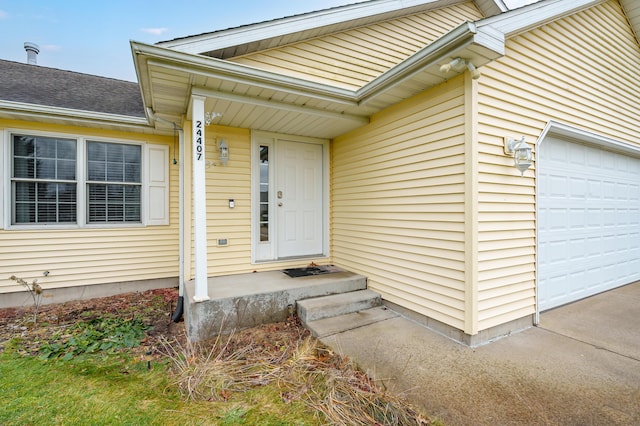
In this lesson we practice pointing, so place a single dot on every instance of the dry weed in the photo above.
(333, 386)
(208, 373)
(305, 371)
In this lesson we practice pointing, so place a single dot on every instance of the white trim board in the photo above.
(571, 133)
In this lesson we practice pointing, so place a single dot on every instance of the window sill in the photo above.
(56, 227)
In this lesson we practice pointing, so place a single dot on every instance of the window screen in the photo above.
(114, 182)
(43, 180)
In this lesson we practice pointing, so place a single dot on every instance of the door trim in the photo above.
(268, 138)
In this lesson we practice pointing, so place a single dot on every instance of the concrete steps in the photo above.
(333, 325)
(335, 313)
(246, 300)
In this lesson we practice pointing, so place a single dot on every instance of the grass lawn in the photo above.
(121, 361)
(118, 390)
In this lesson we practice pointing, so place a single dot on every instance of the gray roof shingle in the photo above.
(35, 84)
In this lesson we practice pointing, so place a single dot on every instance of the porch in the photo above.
(246, 300)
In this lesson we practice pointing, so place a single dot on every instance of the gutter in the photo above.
(33, 111)
(440, 50)
(218, 68)
(487, 37)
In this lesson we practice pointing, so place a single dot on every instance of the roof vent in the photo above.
(32, 53)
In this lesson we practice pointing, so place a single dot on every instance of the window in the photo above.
(65, 181)
(114, 182)
(264, 193)
(44, 180)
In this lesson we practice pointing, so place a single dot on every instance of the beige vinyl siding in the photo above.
(352, 58)
(232, 181)
(581, 71)
(398, 203)
(76, 257)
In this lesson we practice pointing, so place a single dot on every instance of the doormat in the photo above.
(311, 270)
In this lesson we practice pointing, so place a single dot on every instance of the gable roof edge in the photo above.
(217, 41)
(486, 39)
(170, 58)
(632, 11)
(534, 15)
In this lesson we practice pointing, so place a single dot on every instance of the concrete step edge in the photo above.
(337, 304)
(339, 324)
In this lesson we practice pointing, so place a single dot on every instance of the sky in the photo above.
(92, 37)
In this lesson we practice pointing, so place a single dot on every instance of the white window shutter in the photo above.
(157, 205)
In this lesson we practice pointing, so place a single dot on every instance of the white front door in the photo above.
(289, 197)
(299, 199)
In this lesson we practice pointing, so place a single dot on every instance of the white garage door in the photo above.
(588, 221)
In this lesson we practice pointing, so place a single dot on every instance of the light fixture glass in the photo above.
(521, 151)
(223, 152)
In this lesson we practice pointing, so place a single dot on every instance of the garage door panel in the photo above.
(588, 221)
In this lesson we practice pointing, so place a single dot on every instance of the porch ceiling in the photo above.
(263, 100)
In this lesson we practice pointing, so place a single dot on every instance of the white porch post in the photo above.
(199, 199)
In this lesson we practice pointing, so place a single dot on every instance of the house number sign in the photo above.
(199, 146)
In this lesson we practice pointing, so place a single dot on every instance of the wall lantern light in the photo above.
(223, 152)
(521, 152)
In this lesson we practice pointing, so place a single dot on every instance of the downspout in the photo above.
(177, 315)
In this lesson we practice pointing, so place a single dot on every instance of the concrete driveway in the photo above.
(581, 366)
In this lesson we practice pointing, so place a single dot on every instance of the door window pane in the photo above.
(263, 220)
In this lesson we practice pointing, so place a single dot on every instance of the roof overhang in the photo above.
(65, 116)
(632, 10)
(534, 15)
(271, 34)
(263, 100)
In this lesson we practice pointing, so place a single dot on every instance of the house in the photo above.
(376, 137)
(86, 187)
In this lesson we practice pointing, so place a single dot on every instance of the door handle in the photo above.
(279, 194)
(279, 204)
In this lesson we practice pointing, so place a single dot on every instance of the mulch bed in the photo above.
(154, 307)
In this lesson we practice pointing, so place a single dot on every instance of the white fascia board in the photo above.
(491, 38)
(199, 91)
(632, 10)
(491, 7)
(66, 114)
(522, 19)
(446, 46)
(279, 27)
(217, 68)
